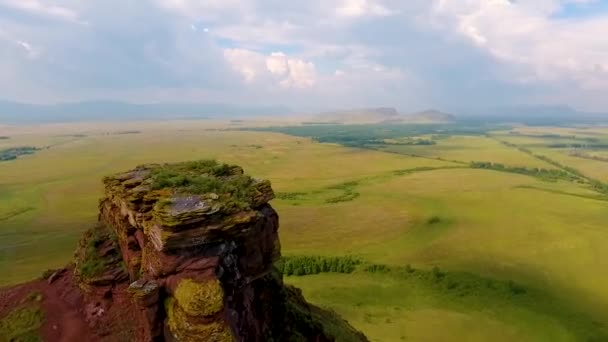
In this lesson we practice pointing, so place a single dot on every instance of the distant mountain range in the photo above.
(17, 113)
(532, 114)
(381, 115)
(356, 116)
(22, 113)
(525, 114)
(427, 116)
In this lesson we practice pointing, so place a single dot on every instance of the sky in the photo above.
(410, 54)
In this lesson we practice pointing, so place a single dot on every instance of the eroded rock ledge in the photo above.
(196, 243)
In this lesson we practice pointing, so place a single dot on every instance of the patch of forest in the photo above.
(585, 155)
(543, 174)
(15, 152)
(364, 136)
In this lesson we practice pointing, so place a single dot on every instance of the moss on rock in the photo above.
(183, 327)
(187, 189)
(98, 258)
(200, 299)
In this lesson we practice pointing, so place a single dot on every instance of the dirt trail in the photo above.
(64, 314)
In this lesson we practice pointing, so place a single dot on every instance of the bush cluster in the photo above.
(433, 219)
(290, 195)
(545, 174)
(377, 268)
(306, 265)
(348, 195)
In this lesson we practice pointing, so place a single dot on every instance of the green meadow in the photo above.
(447, 252)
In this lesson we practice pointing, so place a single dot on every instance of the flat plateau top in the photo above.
(203, 187)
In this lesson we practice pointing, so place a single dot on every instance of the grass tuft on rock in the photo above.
(89, 263)
(201, 177)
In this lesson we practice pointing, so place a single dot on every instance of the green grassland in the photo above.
(468, 149)
(519, 258)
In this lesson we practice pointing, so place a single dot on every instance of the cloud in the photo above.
(526, 38)
(248, 63)
(336, 53)
(36, 7)
(277, 63)
(295, 73)
(273, 69)
(360, 8)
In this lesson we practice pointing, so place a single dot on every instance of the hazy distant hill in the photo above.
(532, 115)
(15, 113)
(357, 116)
(427, 116)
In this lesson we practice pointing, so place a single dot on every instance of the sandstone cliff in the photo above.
(186, 252)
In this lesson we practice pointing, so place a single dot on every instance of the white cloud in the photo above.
(248, 63)
(392, 51)
(302, 74)
(527, 37)
(277, 63)
(31, 51)
(361, 8)
(274, 69)
(210, 9)
(39, 8)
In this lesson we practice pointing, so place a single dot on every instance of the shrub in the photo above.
(515, 289)
(290, 195)
(377, 268)
(433, 220)
(437, 273)
(306, 265)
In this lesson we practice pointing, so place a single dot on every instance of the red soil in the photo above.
(71, 315)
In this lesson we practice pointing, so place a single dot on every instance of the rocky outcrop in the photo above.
(196, 244)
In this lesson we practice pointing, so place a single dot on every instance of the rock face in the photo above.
(196, 243)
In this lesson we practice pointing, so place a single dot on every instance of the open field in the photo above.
(481, 226)
(470, 148)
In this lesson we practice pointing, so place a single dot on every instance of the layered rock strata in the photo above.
(197, 242)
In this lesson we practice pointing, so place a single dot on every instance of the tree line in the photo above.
(307, 265)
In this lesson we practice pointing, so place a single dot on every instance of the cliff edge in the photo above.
(181, 252)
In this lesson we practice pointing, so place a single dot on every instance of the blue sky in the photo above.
(582, 9)
(307, 54)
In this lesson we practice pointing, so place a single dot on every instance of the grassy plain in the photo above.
(491, 227)
(469, 149)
